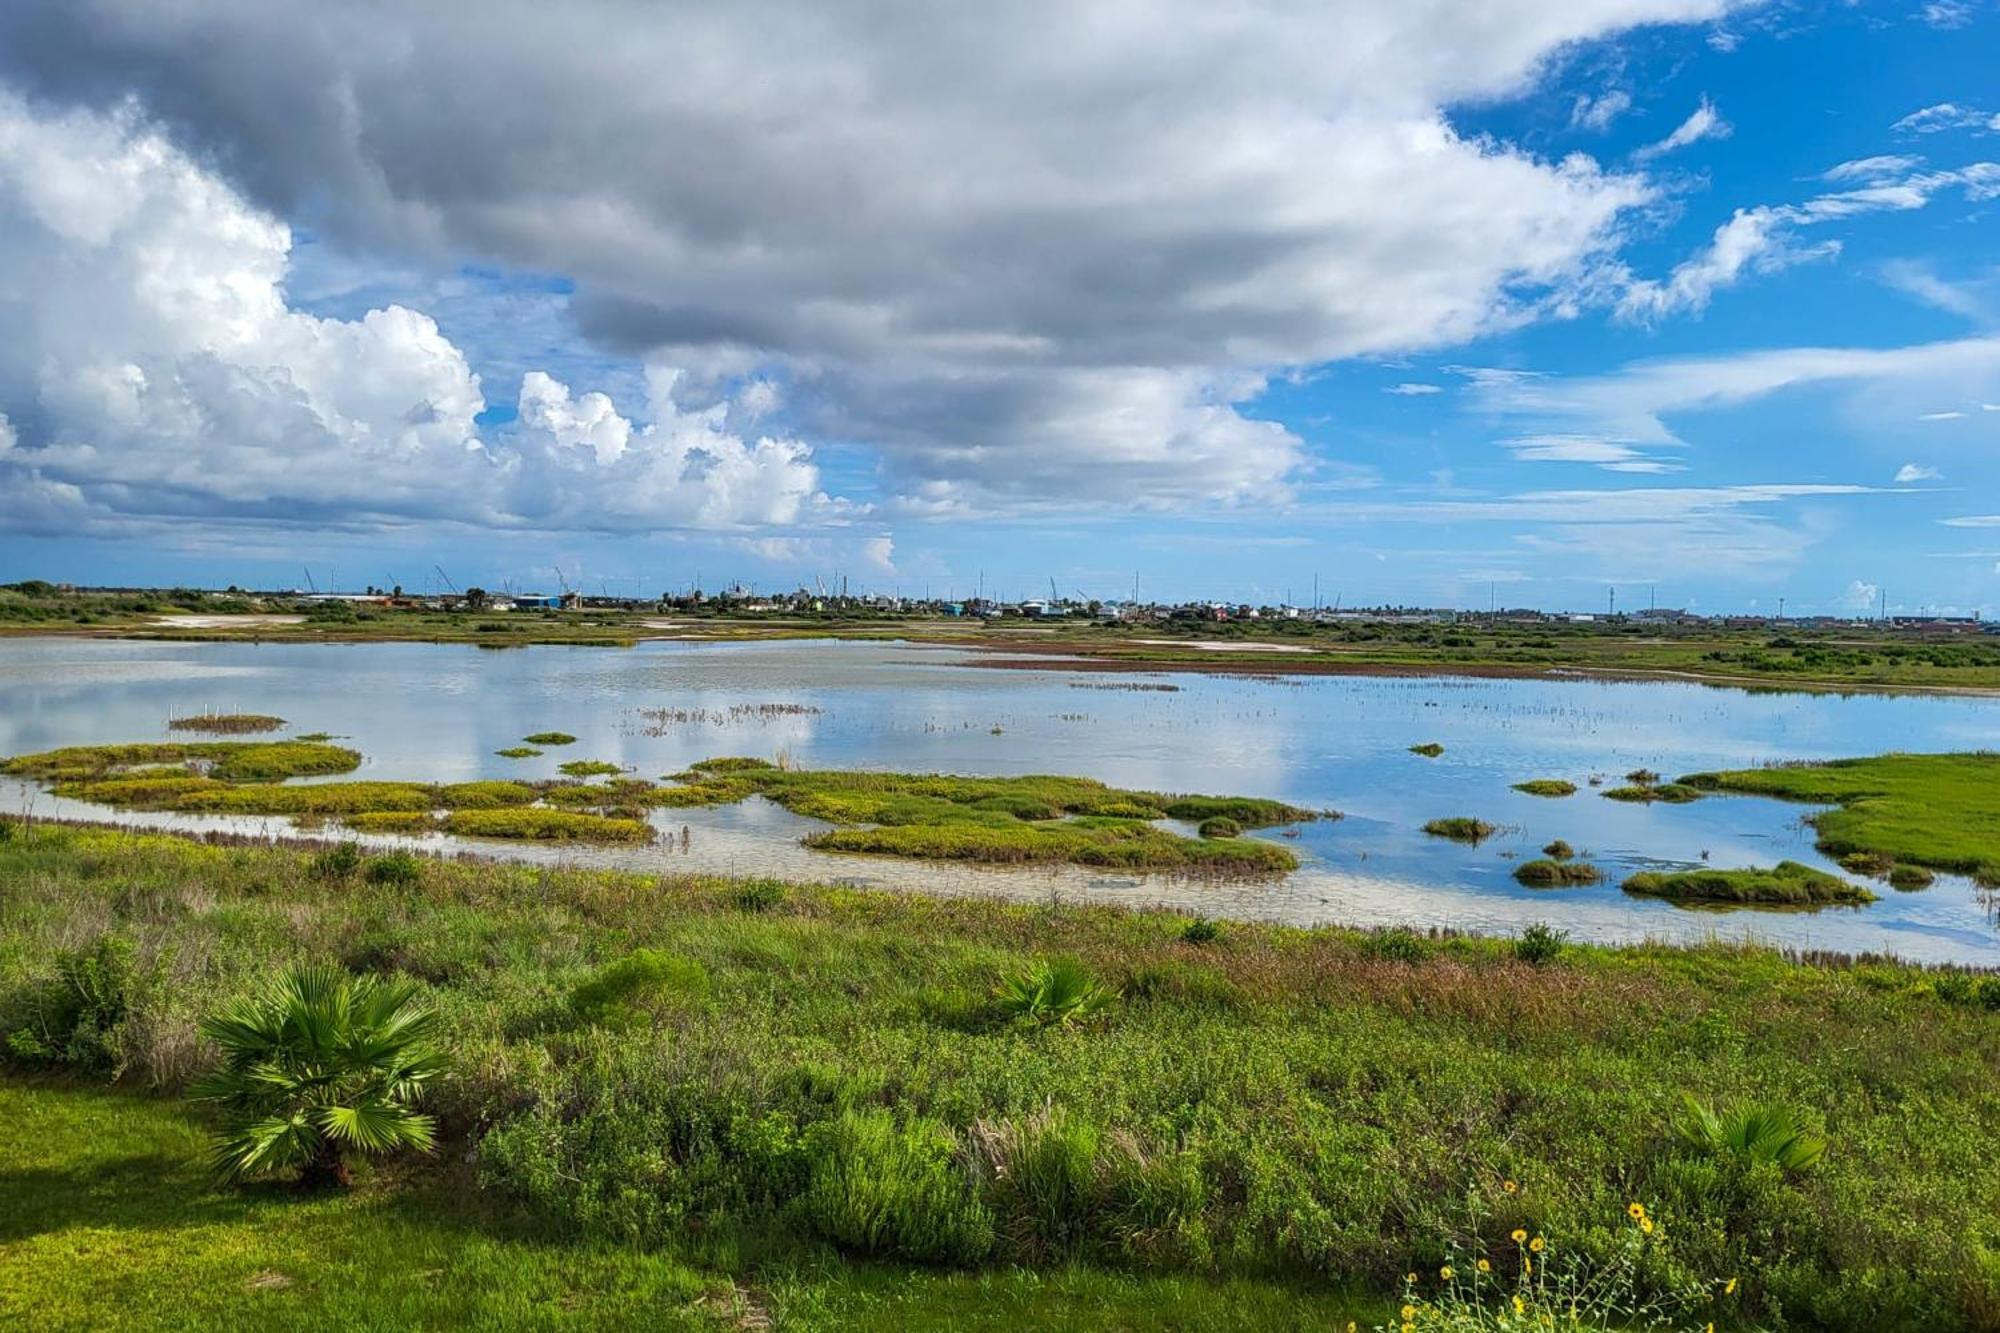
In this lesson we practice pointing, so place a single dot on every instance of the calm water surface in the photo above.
(438, 712)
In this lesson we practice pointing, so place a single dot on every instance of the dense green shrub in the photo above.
(78, 1017)
(1540, 943)
(759, 895)
(880, 1187)
(641, 981)
(402, 868)
(1221, 826)
(1397, 944)
(339, 861)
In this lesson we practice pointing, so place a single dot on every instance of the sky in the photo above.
(1690, 302)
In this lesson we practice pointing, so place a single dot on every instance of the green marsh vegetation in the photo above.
(1939, 811)
(550, 738)
(1559, 850)
(1550, 873)
(1461, 828)
(518, 752)
(1021, 820)
(1787, 884)
(226, 724)
(1429, 749)
(1277, 1113)
(589, 768)
(1546, 787)
(1672, 793)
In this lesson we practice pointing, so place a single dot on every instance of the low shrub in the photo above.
(340, 861)
(1540, 944)
(642, 981)
(1756, 1132)
(1201, 930)
(402, 868)
(1221, 826)
(1546, 787)
(759, 895)
(1907, 878)
(1052, 992)
(77, 1019)
(1397, 945)
(1429, 749)
(1559, 850)
(550, 738)
(889, 1189)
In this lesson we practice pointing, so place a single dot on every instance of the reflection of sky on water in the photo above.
(439, 712)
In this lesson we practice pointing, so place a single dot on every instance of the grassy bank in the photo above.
(1936, 810)
(1284, 1110)
(113, 1222)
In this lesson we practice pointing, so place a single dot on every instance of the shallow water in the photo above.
(438, 712)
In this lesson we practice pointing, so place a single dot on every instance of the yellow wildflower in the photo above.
(1409, 1328)
(1409, 1312)
(1445, 1272)
(1637, 1210)
(1485, 1267)
(1729, 1287)
(1520, 1306)
(1510, 1186)
(1536, 1244)
(1527, 1264)
(1412, 1277)
(1646, 1225)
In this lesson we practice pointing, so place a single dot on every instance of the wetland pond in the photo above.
(439, 713)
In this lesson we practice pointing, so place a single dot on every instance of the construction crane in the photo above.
(310, 585)
(447, 579)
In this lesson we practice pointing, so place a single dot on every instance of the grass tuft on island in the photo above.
(1429, 749)
(550, 738)
(1787, 884)
(1460, 828)
(1550, 873)
(1941, 811)
(589, 768)
(1546, 787)
(226, 724)
(518, 752)
(1672, 793)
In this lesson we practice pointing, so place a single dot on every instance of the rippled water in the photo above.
(440, 711)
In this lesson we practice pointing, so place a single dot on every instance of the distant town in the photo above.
(738, 600)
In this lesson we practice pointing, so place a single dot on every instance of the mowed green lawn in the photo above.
(109, 1219)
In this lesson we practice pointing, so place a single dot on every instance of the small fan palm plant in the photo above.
(318, 1065)
(1051, 992)
(1760, 1132)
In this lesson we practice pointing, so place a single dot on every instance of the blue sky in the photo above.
(1685, 299)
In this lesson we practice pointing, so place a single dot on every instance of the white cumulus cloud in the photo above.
(160, 371)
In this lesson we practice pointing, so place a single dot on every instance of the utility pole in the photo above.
(1781, 608)
(1611, 605)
